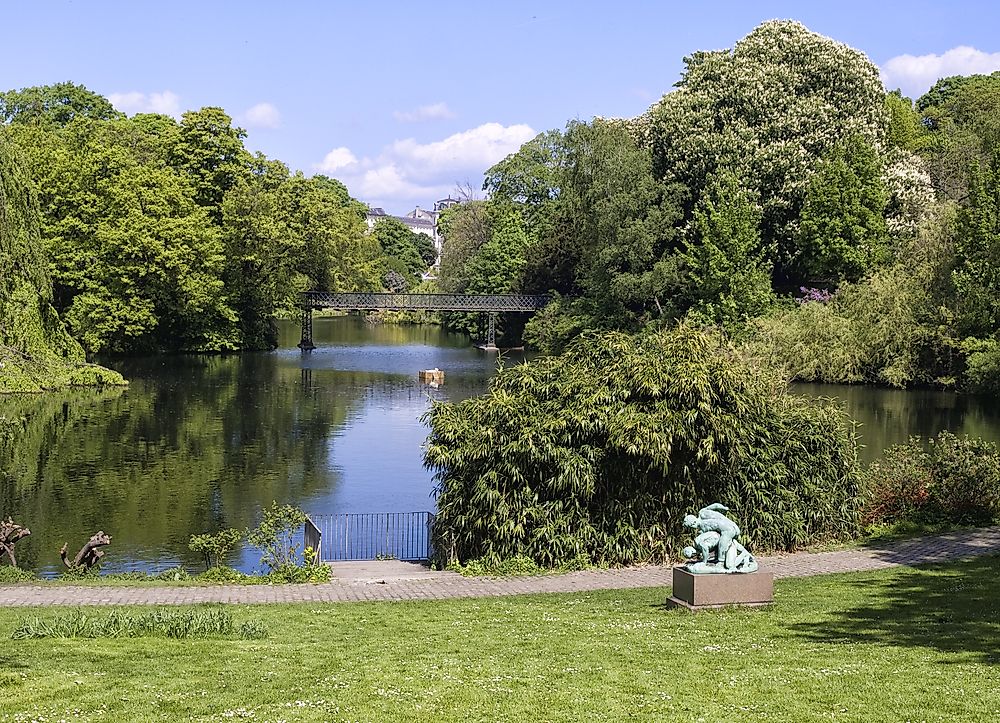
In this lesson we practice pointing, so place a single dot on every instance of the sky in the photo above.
(405, 102)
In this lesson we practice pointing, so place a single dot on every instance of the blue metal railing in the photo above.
(372, 535)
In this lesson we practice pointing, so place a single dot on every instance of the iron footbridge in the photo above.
(490, 304)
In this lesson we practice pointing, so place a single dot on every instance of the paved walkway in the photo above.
(393, 580)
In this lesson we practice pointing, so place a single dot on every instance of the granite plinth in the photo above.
(707, 592)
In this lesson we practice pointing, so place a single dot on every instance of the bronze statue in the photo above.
(716, 545)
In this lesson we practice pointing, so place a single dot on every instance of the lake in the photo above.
(201, 442)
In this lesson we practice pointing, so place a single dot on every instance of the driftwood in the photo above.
(10, 533)
(90, 554)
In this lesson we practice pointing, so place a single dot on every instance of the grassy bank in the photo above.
(896, 645)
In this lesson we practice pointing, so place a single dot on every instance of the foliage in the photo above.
(400, 243)
(961, 115)
(275, 536)
(54, 105)
(216, 548)
(726, 278)
(10, 575)
(954, 480)
(599, 451)
(977, 254)
(156, 623)
(166, 235)
(36, 351)
(768, 109)
(842, 230)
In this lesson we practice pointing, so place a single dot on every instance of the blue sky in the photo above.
(404, 100)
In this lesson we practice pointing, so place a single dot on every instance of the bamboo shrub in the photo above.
(600, 452)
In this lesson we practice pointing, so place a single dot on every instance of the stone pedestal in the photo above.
(712, 591)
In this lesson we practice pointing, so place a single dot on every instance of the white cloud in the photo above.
(407, 172)
(336, 159)
(915, 74)
(167, 102)
(436, 111)
(262, 115)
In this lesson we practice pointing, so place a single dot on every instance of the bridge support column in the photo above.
(306, 342)
(491, 331)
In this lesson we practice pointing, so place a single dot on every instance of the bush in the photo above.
(215, 547)
(955, 481)
(600, 452)
(10, 575)
(276, 535)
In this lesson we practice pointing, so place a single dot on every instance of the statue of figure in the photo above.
(717, 535)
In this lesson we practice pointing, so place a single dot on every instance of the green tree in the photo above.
(769, 109)
(54, 105)
(465, 228)
(906, 130)
(977, 270)
(210, 152)
(36, 351)
(726, 277)
(396, 241)
(842, 232)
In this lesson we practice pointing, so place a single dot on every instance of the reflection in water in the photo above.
(892, 416)
(200, 442)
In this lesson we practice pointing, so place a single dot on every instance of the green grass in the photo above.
(919, 645)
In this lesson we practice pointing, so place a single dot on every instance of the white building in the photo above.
(418, 220)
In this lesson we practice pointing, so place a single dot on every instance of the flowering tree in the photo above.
(768, 109)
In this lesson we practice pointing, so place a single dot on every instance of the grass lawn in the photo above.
(900, 645)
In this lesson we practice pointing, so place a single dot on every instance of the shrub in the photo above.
(276, 535)
(600, 452)
(10, 575)
(955, 480)
(215, 547)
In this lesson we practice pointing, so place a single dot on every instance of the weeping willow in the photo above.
(599, 452)
(36, 351)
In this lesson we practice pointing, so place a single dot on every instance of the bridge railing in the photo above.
(371, 301)
(373, 535)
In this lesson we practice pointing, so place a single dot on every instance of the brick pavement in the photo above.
(400, 581)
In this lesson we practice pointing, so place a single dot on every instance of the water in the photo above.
(201, 442)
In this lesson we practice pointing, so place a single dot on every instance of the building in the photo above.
(418, 220)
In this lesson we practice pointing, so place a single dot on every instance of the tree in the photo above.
(977, 271)
(397, 242)
(36, 351)
(210, 152)
(464, 229)
(54, 105)
(768, 109)
(964, 129)
(842, 230)
(726, 277)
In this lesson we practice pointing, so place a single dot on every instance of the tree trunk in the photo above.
(89, 555)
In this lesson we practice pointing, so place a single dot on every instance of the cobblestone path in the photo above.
(393, 580)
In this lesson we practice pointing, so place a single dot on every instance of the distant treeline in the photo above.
(166, 235)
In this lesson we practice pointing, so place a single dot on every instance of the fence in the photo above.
(370, 536)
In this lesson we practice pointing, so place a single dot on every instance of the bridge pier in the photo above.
(491, 332)
(306, 342)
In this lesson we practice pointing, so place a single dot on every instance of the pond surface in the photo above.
(201, 442)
